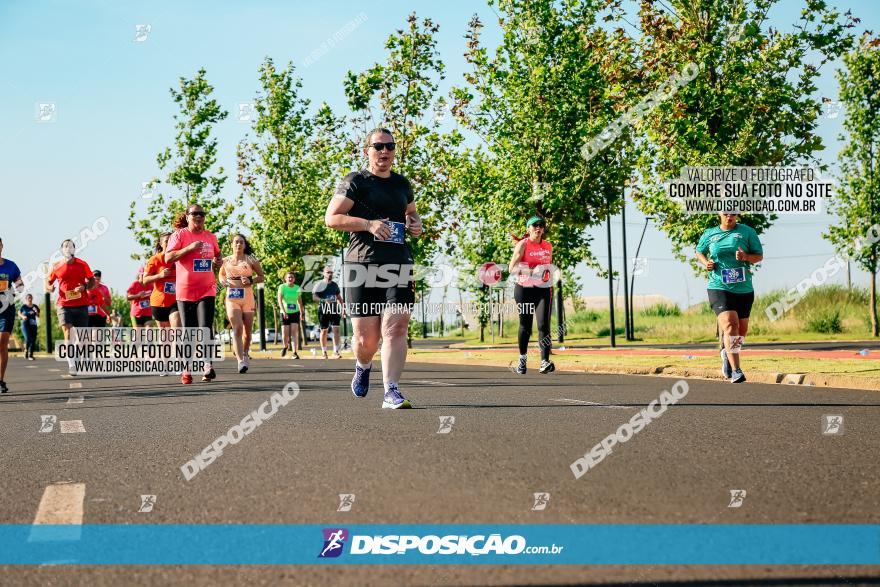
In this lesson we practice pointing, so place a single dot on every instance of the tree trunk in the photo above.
(873, 303)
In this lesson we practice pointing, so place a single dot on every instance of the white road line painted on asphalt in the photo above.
(54, 370)
(77, 399)
(72, 426)
(580, 401)
(62, 503)
(76, 385)
(426, 382)
(30, 366)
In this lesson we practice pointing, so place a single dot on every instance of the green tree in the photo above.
(857, 200)
(287, 169)
(753, 102)
(188, 169)
(558, 79)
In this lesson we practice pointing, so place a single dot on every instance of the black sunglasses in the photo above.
(539, 225)
(383, 146)
(201, 214)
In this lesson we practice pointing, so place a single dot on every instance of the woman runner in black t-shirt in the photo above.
(376, 206)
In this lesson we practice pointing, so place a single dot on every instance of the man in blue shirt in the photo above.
(10, 282)
(29, 314)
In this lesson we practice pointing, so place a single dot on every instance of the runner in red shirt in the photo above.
(196, 255)
(74, 277)
(531, 264)
(99, 303)
(139, 296)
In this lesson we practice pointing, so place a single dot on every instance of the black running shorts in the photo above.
(726, 301)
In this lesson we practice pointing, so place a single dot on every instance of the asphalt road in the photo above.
(512, 437)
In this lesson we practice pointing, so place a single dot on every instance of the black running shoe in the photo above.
(3, 388)
(546, 367)
(283, 351)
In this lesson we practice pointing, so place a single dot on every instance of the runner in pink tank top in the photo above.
(531, 263)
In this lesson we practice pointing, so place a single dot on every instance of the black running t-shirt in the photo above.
(376, 198)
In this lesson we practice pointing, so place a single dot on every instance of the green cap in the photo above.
(533, 220)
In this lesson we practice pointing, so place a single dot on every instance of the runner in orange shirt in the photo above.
(162, 277)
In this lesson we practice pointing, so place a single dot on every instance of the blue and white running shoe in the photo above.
(394, 400)
(360, 383)
(738, 376)
(726, 369)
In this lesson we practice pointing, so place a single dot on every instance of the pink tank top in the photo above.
(535, 254)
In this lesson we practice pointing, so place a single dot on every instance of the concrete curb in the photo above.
(799, 379)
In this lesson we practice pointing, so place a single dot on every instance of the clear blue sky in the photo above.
(114, 114)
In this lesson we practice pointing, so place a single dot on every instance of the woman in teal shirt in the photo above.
(727, 251)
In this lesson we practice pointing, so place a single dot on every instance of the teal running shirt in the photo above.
(721, 246)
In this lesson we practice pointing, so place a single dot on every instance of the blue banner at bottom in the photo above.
(625, 544)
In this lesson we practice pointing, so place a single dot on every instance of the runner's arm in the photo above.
(49, 286)
(222, 275)
(705, 262)
(337, 217)
(148, 279)
(517, 256)
(172, 256)
(749, 257)
(413, 220)
(258, 276)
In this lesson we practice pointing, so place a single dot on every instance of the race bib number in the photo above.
(235, 293)
(72, 295)
(144, 303)
(291, 308)
(169, 287)
(396, 236)
(735, 275)
(202, 265)
(93, 309)
(4, 285)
